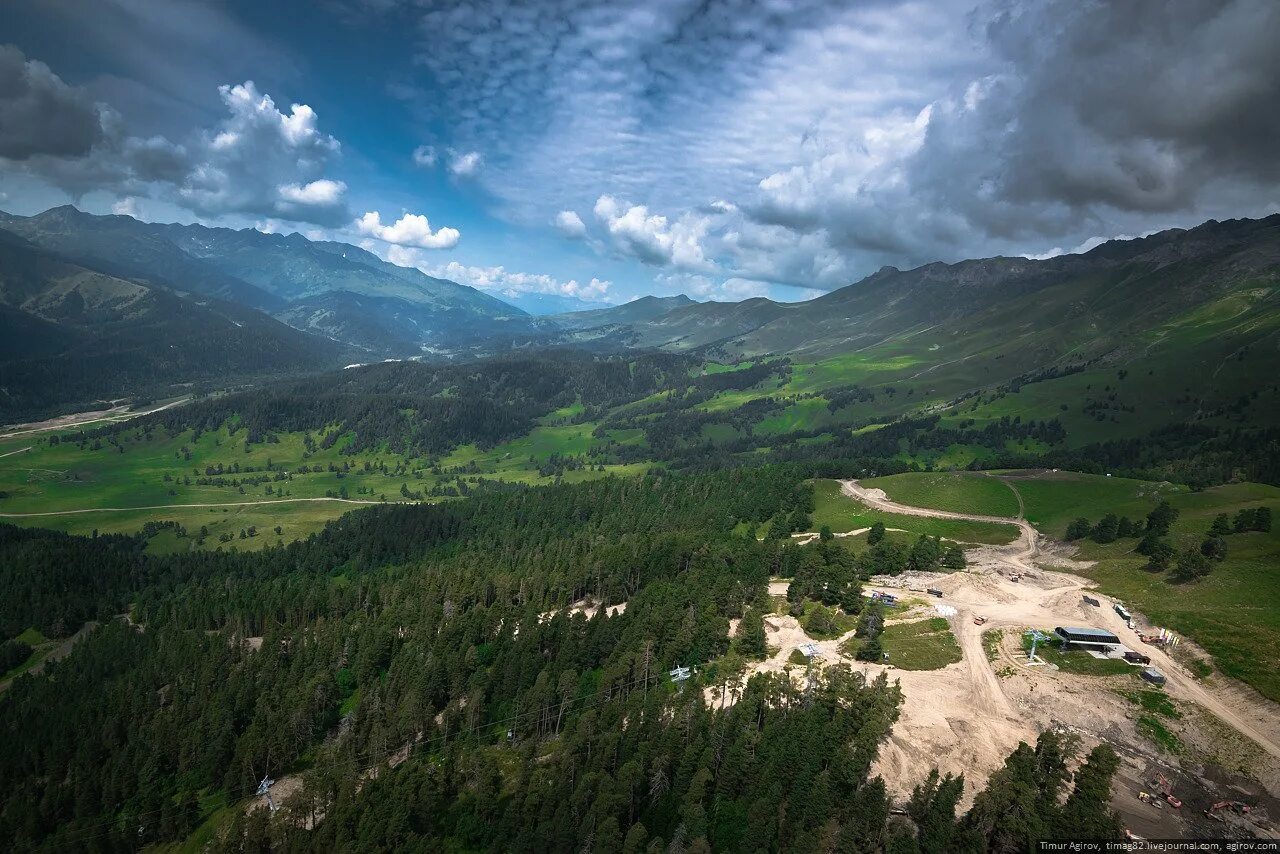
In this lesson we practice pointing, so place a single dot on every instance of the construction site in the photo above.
(1041, 649)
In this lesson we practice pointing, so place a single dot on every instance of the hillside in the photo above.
(74, 335)
(334, 289)
(1032, 312)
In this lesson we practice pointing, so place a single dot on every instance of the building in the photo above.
(1076, 636)
(1155, 677)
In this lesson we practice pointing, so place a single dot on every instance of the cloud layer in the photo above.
(810, 143)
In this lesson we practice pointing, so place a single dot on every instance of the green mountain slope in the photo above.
(334, 289)
(74, 335)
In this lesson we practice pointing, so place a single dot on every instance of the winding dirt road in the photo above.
(181, 506)
(1055, 599)
(966, 717)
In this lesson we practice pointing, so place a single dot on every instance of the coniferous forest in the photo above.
(418, 676)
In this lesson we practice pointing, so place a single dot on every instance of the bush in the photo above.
(1214, 548)
(1191, 565)
(1079, 529)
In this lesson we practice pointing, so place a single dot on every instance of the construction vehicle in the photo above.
(1015, 578)
(1161, 782)
(1236, 807)
(978, 621)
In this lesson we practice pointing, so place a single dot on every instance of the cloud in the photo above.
(570, 224)
(40, 114)
(704, 287)
(651, 238)
(321, 192)
(500, 279)
(885, 132)
(463, 165)
(237, 166)
(425, 156)
(1088, 118)
(127, 207)
(257, 160)
(410, 230)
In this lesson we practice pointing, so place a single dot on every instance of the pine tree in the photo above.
(1087, 813)
(876, 534)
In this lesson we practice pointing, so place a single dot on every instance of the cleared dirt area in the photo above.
(82, 419)
(969, 716)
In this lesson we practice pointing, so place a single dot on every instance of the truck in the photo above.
(1124, 613)
(933, 591)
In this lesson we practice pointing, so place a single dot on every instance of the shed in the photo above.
(1084, 637)
(1155, 677)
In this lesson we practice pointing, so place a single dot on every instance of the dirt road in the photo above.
(83, 419)
(1030, 539)
(1030, 601)
(181, 506)
(966, 718)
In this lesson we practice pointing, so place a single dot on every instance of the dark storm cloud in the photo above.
(1094, 118)
(257, 160)
(39, 114)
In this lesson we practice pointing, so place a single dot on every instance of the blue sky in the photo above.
(604, 150)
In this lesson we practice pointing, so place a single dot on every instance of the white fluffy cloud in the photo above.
(464, 164)
(237, 167)
(321, 192)
(652, 238)
(410, 230)
(500, 279)
(425, 156)
(570, 224)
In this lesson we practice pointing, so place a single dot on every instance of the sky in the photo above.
(598, 151)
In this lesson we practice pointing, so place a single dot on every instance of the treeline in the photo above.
(1195, 454)
(411, 407)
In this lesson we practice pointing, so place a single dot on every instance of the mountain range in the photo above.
(108, 306)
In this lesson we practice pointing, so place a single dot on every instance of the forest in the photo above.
(420, 671)
(678, 409)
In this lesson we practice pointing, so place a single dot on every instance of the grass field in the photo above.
(1077, 661)
(842, 514)
(1053, 499)
(1234, 613)
(40, 647)
(958, 492)
(42, 475)
(920, 645)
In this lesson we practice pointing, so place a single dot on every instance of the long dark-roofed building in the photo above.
(1076, 636)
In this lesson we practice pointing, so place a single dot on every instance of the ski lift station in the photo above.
(1082, 638)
